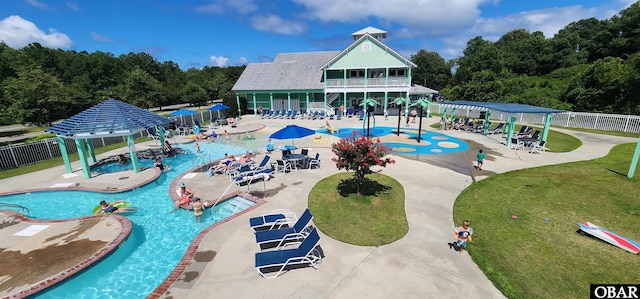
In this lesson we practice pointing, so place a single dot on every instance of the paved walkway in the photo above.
(420, 265)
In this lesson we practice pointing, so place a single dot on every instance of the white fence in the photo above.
(16, 155)
(583, 120)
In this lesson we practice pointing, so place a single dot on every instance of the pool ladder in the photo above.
(13, 218)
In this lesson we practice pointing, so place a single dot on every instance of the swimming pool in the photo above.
(158, 239)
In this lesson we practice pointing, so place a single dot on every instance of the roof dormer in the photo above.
(379, 34)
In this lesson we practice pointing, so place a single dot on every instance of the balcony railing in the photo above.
(371, 82)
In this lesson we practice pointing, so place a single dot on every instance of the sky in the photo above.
(198, 33)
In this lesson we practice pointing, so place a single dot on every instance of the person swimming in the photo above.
(107, 208)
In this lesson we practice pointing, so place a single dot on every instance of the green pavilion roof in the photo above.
(107, 119)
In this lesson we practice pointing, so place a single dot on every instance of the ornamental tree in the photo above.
(359, 155)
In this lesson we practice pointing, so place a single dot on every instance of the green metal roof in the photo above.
(511, 108)
(107, 119)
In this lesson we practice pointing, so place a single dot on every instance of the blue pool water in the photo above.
(116, 166)
(430, 142)
(158, 239)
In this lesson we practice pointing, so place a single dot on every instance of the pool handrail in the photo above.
(22, 211)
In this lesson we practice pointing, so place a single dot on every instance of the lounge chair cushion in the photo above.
(263, 220)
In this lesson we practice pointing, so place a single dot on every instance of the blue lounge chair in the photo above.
(249, 169)
(279, 260)
(288, 233)
(496, 130)
(249, 178)
(293, 114)
(275, 220)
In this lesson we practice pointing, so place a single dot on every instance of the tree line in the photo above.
(39, 85)
(590, 65)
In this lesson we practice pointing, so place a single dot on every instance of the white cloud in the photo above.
(213, 8)
(101, 38)
(219, 61)
(242, 6)
(276, 24)
(38, 4)
(72, 5)
(220, 7)
(421, 18)
(17, 32)
(242, 60)
(549, 21)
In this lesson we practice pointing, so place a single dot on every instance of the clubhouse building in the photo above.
(324, 81)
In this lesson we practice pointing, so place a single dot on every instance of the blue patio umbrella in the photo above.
(218, 107)
(180, 112)
(292, 132)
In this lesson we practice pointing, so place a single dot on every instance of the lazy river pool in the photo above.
(158, 239)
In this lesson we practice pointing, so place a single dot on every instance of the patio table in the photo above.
(295, 159)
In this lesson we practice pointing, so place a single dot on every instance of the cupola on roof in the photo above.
(375, 32)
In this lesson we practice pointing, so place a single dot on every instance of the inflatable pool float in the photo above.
(332, 130)
(118, 205)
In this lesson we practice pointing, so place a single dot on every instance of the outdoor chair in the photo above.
(283, 114)
(497, 129)
(282, 166)
(522, 130)
(248, 179)
(275, 114)
(535, 135)
(294, 113)
(526, 133)
(249, 169)
(315, 161)
(153, 134)
(274, 220)
(538, 147)
(291, 233)
(278, 260)
(515, 143)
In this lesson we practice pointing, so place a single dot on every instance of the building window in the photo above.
(397, 72)
(356, 73)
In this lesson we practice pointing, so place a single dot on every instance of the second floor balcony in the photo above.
(367, 82)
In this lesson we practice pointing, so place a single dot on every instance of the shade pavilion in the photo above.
(111, 118)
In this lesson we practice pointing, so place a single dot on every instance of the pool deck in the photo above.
(419, 265)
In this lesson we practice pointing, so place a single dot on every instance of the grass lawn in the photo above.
(360, 220)
(530, 257)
